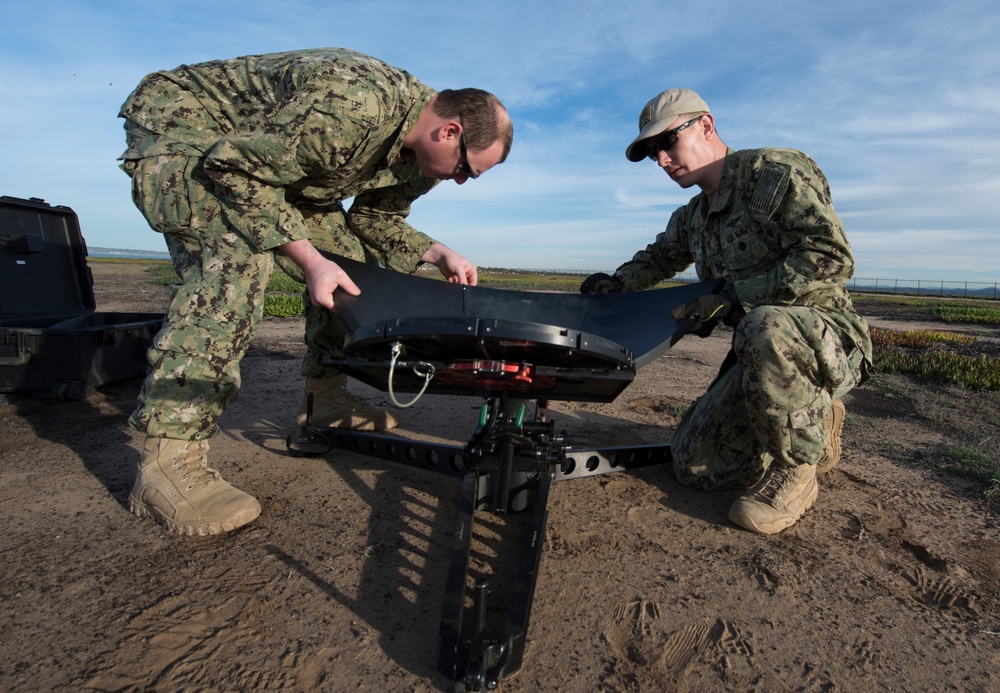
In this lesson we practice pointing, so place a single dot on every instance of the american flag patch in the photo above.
(770, 188)
(645, 116)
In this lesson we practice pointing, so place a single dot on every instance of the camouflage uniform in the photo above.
(231, 159)
(771, 229)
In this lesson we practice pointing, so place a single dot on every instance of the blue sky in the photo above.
(898, 102)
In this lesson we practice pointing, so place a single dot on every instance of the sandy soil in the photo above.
(890, 582)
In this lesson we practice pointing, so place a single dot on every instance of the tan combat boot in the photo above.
(778, 500)
(834, 425)
(176, 488)
(334, 407)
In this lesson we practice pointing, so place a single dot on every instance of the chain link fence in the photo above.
(918, 287)
(925, 287)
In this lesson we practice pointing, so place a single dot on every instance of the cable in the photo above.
(427, 375)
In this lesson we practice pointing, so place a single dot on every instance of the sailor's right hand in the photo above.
(601, 283)
(325, 278)
(322, 276)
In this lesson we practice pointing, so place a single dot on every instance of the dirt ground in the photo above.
(891, 582)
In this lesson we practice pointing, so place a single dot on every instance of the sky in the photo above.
(897, 101)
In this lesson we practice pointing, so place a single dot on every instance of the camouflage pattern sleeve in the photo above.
(378, 217)
(668, 254)
(791, 204)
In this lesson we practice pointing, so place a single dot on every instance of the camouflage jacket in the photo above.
(281, 132)
(771, 229)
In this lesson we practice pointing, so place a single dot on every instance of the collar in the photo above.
(418, 97)
(721, 198)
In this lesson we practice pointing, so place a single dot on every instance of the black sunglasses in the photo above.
(668, 138)
(464, 168)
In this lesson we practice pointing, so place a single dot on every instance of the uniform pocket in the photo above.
(160, 189)
(806, 434)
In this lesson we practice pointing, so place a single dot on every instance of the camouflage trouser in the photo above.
(770, 404)
(194, 370)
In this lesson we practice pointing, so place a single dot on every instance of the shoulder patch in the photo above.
(771, 185)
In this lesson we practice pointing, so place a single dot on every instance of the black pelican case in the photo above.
(52, 342)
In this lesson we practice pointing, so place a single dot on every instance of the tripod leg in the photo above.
(453, 658)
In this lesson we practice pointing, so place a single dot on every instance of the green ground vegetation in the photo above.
(933, 356)
(528, 280)
(928, 353)
(982, 315)
(956, 310)
(973, 465)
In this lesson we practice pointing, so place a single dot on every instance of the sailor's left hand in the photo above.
(455, 268)
(701, 315)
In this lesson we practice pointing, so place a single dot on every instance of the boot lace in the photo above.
(192, 468)
(773, 486)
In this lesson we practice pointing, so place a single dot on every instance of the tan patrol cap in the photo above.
(659, 113)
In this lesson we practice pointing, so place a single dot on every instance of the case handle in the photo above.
(23, 354)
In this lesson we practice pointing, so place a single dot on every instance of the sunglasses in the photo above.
(665, 141)
(464, 168)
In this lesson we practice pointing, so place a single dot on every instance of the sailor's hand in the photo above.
(322, 277)
(701, 315)
(455, 268)
(324, 280)
(601, 283)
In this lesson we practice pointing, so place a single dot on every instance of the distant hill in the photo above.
(118, 252)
